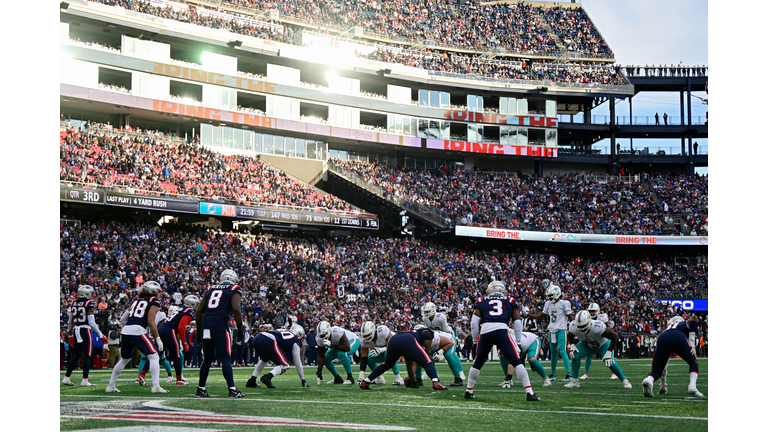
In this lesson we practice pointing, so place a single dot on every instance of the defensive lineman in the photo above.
(678, 338)
(438, 321)
(494, 312)
(334, 342)
(373, 349)
(530, 346)
(594, 312)
(594, 338)
(559, 312)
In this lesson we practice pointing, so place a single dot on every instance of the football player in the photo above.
(373, 349)
(594, 312)
(81, 322)
(530, 346)
(594, 338)
(334, 342)
(212, 318)
(489, 328)
(441, 341)
(415, 347)
(140, 316)
(160, 319)
(272, 346)
(438, 321)
(173, 334)
(679, 338)
(559, 312)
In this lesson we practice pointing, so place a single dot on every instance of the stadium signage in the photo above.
(476, 117)
(290, 216)
(148, 202)
(486, 148)
(506, 234)
(81, 195)
(212, 78)
(687, 304)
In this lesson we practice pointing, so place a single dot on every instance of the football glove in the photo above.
(319, 375)
(104, 339)
(693, 352)
(324, 343)
(186, 348)
(304, 383)
(360, 377)
(608, 358)
(159, 344)
(572, 350)
(374, 352)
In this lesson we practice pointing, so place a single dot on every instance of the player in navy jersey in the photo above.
(678, 338)
(140, 316)
(490, 328)
(81, 322)
(212, 317)
(416, 347)
(274, 346)
(173, 333)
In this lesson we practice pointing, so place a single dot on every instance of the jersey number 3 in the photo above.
(498, 308)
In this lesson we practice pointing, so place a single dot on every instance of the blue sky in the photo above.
(654, 32)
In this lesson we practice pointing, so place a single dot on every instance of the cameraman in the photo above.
(114, 343)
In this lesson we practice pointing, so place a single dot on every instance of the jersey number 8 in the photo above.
(215, 299)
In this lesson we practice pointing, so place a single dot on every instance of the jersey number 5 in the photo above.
(498, 309)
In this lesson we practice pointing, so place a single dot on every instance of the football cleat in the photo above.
(379, 380)
(663, 390)
(585, 376)
(567, 378)
(694, 392)
(201, 393)
(67, 382)
(552, 378)
(648, 387)
(468, 395)
(170, 379)
(236, 393)
(365, 385)
(398, 381)
(574, 383)
(336, 380)
(181, 382)
(266, 379)
(531, 397)
(112, 389)
(547, 382)
(140, 381)
(85, 383)
(347, 382)
(506, 384)
(437, 385)
(159, 389)
(614, 376)
(420, 383)
(626, 384)
(252, 382)
(457, 382)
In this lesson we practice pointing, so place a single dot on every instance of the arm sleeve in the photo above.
(92, 323)
(518, 326)
(475, 325)
(296, 351)
(185, 320)
(124, 318)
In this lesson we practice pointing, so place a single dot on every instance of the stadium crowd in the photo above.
(552, 203)
(118, 159)
(350, 280)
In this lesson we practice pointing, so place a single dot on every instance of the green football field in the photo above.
(599, 404)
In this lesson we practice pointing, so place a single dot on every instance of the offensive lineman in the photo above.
(441, 341)
(212, 318)
(272, 346)
(594, 312)
(135, 321)
(559, 312)
(678, 338)
(81, 321)
(335, 342)
(494, 312)
(438, 321)
(373, 348)
(173, 331)
(594, 338)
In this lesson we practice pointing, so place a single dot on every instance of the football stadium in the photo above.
(377, 215)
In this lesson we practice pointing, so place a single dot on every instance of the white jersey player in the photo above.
(594, 338)
(373, 348)
(438, 321)
(335, 342)
(594, 312)
(559, 313)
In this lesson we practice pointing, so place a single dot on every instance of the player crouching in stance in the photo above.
(273, 346)
(373, 349)
(594, 312)
(489, 328)
(416, 347)
(441, 341)
(530, 346)
(334, 342)
(674, 340)
(81, 322)
(594, 338)
(135, 320)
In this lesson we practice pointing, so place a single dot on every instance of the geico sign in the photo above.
(685, 304)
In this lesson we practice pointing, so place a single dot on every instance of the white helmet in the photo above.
(298, 331)
(368, 331)
(593, 310)
(526, 310)
(418, 326)
(324, 330)
(497, 289)
(150, 287)
(85, 291)
(674, 320)
(229, 276)
(191, 301)
(554, 293)
(583, 320)
(429, 309)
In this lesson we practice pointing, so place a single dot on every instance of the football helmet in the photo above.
(324, 330)
(428, 310)
(229, 276)
(298, 331)
(583, 320)
(593, 310)
(85, 292)
(368, 331)
(496, 288)
(150, 287)
(554, 293)
(674, 320)
(418, 326)
(191, 301)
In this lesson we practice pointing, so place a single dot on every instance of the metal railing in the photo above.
(637, 150)
(649, 120)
